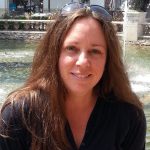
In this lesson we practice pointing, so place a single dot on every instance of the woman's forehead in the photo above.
(86, 28)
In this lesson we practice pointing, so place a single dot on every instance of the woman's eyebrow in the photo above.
(72, 42)
(99, 45)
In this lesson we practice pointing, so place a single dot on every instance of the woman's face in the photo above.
(83, 56)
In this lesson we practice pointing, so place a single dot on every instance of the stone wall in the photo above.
(21, 35)
(35, 35)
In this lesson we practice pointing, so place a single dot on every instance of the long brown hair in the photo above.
(44, 92)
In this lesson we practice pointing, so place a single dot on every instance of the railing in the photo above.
(118, 27)
(41, 25)
(117, 15)
(146, 29)
(29, 25)
(38, 25)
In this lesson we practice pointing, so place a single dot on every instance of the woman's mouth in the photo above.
(81, 76)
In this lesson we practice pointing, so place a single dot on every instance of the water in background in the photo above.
(15, 61)
(137, 60)
(16, 58)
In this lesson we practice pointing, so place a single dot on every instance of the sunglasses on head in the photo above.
(71, 7)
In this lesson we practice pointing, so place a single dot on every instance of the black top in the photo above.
(112, 125)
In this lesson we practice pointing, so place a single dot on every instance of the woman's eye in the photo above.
(70, 48)
(95, 51)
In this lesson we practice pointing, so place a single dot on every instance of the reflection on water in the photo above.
(15, 62)
(16, 45)
(13, 72)
(16, 58)
(137, 60)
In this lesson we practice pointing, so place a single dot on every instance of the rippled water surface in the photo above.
(137, 60)
(15, 62)
(16, 58)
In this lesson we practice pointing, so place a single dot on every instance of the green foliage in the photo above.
(40, 18)
(21, 25)
(138, 5)
(11, 25)
(20, 17)
(1, 25)
(6, 16)
(84, 1)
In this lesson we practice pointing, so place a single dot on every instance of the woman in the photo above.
(78, 95)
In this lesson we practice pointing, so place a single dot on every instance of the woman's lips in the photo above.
(81, 76)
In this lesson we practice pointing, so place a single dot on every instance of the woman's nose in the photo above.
(83, 60)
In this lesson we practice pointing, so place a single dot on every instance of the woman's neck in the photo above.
(80, 101)
(78, 110)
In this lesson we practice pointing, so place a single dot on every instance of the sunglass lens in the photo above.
(71, 7)
(102, 12)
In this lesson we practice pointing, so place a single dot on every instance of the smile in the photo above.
(81, 76)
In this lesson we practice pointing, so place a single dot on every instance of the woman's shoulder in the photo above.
(21, 100)
(22, 106)
(15, 101)
(11, 111)
(13, 131)
(125, 110)
(128, 119)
